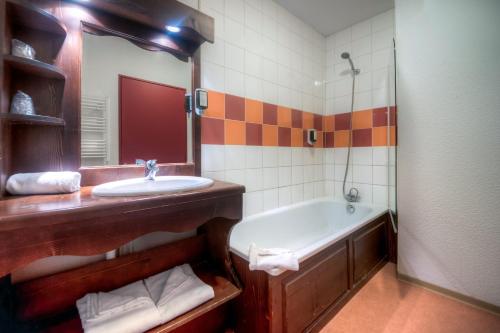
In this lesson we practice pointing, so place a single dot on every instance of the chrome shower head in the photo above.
(346, 55)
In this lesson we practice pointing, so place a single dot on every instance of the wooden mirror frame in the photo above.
(118, 19)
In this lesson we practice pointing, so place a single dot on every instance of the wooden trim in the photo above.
(474, 302)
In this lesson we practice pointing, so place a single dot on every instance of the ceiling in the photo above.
(330, 16)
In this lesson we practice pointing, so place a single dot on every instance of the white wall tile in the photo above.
(270, 178)
(253, 157)
(285, 196)
(235, 176)
(362, 174)
(235, 156)
(271, 200)
(212, 158)
(253, 179)
(285, 176)
(285, 156)
(254, 203)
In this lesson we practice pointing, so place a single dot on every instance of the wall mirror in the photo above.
(133, 104)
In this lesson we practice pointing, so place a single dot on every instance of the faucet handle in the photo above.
(140, 162)
(151, 165)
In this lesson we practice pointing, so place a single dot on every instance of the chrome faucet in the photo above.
(353, 195)
(150, 168)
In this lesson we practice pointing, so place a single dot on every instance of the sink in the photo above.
(143, 186)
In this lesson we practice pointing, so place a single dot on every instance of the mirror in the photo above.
(133, 104)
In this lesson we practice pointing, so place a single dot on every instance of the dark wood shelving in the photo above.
(25, 14)
(224, 292)
(32, 119)
(33, 67)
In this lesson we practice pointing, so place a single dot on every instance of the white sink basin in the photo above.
(142, 186)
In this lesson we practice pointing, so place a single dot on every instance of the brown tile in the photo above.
(329, 123)
(270, 116)
(297, 140)
(212, 131)
(362, 137)
(234, 132)
(307, 120)
(329, 139)
(362, 119)
(253, 111)
(296, 118)
(216, 105)
(380, 117)
(342, 121)
(341, 139)
(284, 137)
(318, 122)
(254, 134)
(235, 107)
(270, 135)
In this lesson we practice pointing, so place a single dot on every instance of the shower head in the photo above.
(346, 55)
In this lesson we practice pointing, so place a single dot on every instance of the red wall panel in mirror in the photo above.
(153, 123)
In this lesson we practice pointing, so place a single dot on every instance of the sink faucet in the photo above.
(150, 168)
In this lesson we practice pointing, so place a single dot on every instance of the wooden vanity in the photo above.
(81, 224)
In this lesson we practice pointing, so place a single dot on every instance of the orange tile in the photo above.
(329, 123)
(253, 111)
(379, 136)
(284, 117)
(393, 136)
(269, 135)
(307, 120)
(341, 139)
(362, 119)
(297, 137)
(234, 131)
(320, 142)
(216, 102)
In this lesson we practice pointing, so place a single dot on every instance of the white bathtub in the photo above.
(305, 228)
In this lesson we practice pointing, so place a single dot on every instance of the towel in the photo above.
(43, 183)
(273, 260)
(177, 291)
(129, 309)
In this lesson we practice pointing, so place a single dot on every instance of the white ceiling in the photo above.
(330, 16)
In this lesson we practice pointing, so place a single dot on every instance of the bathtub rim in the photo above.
(307, 252)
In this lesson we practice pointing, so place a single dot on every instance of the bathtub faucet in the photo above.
(353, 195)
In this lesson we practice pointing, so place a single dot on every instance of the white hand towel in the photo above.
(273, 260)
(43, 183)
(177, 291)
(125, 310)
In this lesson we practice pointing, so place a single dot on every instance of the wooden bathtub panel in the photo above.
(309, 292)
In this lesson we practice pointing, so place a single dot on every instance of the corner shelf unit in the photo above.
(22, 119)
(33, 67)
(31, 143)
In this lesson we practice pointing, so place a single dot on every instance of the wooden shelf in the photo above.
(25, 14)
(32, 120)
(34, 67)
(224, 292)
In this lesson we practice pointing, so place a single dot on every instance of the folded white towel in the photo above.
(125, 310)
(273, 260)
(177, 291)
(43, 183)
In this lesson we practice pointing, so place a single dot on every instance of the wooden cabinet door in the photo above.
(370, 248)
(309, 292)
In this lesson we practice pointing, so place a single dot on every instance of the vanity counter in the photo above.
(34, 227)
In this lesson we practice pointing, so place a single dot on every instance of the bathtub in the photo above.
(338, 253)
(305, 228)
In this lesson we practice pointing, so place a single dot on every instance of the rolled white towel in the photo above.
(273, 260)
(177, 291)
(43, 183)
(129, 309)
